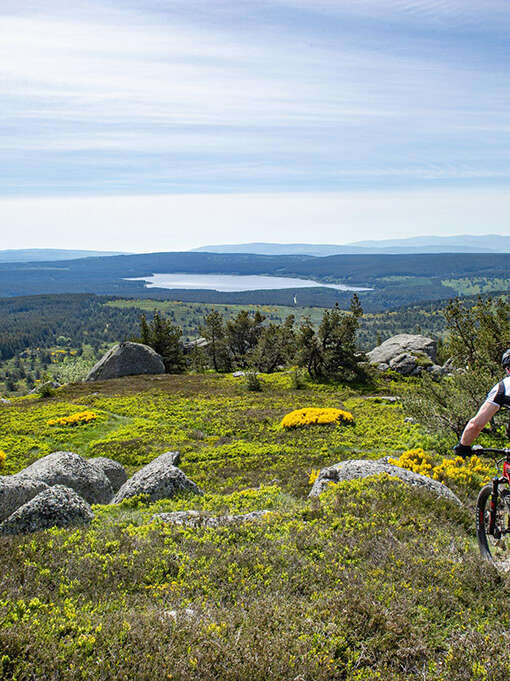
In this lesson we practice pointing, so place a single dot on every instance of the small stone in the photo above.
(199, 519)
(186, 613)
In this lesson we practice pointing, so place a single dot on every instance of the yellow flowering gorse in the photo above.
(415, 460)
(314, 415)
(470, 472)
(3, 456)
(74, 419)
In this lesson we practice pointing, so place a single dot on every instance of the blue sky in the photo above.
(286, 120)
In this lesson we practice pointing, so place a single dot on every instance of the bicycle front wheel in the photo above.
(494, 546)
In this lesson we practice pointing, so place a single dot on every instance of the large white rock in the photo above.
(72, 470)
(127, 359)
(361, 468)
(403, 343)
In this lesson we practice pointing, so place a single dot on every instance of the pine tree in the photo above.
(332, 351)
(309, 354)
(144, 331)
(243, 333)
(217, 348)
(165, 338)
(338, 342)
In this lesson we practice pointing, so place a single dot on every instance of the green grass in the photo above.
(213, 420)
(471, 286)
(373, 581)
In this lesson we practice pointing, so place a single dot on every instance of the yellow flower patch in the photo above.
(415, 460)
(470, 472)
(3, 456)
(314, 415)
(466, 472)
(74, 419)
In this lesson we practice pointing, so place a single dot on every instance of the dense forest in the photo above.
(396, 279)
(40, 335)
(38, 321)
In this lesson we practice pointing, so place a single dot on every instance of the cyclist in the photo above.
(498, 397)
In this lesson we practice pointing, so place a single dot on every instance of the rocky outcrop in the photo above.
(361, 468)
(16, 490)
(199, 519)
(199, 342)
(71, 470)
(160, 479)
(56, 506)
(400, 344)
(113, 470)
(408, 354)
(127, 359)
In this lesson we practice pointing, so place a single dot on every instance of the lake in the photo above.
(233, 282)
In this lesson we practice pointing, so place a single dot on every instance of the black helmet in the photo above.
(505, 359)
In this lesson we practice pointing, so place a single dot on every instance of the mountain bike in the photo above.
(493, 509)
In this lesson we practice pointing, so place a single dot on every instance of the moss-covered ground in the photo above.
(373, 581)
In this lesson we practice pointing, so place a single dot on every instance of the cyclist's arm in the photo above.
(478, 422)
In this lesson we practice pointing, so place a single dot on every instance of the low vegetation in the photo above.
(374, 580)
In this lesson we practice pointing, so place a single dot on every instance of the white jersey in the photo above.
(500, 394)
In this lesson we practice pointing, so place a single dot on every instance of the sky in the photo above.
(148, 125)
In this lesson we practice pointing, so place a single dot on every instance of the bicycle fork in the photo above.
(493, 506)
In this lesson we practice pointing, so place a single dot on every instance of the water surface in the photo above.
(234, 282)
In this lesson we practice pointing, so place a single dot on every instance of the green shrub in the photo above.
(253, 383)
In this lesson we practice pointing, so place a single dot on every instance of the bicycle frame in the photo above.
(496, 482)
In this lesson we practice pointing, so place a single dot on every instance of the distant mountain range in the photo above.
(49, 254)
(488, 243)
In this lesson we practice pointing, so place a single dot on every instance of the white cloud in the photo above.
(188, 95)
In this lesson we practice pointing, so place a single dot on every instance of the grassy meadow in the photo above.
(374, 580)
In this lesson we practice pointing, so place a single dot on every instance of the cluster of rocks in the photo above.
(409, 355)
(58, 490)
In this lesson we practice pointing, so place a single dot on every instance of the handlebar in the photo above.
(478, 449)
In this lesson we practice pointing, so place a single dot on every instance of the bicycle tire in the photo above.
(496, 547)
(481, 522)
